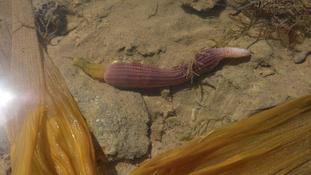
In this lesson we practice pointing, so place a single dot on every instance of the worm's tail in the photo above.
(96, 71)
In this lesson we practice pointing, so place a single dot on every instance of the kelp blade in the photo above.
(276, 141)
(46, 130)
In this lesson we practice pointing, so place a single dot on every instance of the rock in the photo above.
(159, 109)
(265, 71)
(263, 102)
(131, 50)
(200, 5)
(118, 119)
(301, 57)
(303, 51)
(166, 94)
(124, 168)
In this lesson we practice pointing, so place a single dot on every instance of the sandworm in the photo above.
(140, 76)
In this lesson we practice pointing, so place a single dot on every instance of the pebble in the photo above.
(301, 57)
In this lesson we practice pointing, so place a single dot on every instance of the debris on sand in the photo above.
(290, 19)
(51, 21)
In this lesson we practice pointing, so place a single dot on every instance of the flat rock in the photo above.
(118, 119)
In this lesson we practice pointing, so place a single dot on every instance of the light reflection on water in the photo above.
(6, 97)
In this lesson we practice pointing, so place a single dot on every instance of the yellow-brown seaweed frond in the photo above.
(275, 141)
(47, 132)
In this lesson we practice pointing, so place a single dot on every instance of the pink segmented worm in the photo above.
(140, 76)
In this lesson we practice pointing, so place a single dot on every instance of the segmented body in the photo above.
(123, 75)
(143, 76)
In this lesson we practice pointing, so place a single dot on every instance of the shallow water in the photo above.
(133, 125)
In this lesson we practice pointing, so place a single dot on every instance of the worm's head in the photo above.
(233, 52)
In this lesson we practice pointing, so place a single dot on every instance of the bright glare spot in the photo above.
(5, 98)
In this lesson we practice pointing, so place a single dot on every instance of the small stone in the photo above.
(130, 51)
(200, 5)
(265, 72)
(301, 57)
(166, 94)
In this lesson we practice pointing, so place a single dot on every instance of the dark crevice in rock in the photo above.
(101, 160)
(149, 131)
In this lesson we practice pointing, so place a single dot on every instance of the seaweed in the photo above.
(291, 20)
(50, 20)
